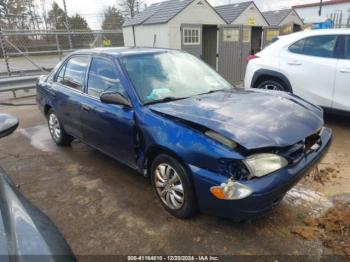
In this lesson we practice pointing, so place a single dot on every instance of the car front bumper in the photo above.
(268, 191)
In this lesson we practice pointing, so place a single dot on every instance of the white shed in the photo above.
(180, 24)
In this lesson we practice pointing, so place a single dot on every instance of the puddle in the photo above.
(39, 137)
(300, 195)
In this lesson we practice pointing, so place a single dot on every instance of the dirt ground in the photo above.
(103, 207)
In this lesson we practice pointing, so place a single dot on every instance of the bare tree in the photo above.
(131, 7)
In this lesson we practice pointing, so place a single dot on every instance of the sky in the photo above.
(92, 10)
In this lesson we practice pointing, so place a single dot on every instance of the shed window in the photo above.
(191, 36)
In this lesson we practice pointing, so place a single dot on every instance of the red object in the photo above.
(251, 57)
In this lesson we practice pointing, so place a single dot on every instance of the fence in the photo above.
(29, 52)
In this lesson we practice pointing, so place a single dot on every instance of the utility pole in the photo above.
(321, 5)
(67, 25)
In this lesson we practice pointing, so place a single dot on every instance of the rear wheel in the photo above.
(273, 84)
(59, 136)
(173, 186)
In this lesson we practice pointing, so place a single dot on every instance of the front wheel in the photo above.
(173, 186)
(273, 84)
(58, 134)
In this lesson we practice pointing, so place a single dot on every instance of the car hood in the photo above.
(26, 232)
(253, 119)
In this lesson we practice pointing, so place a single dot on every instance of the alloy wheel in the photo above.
(169, 186)
(54, 127)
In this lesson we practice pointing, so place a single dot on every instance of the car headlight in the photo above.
(221, 139)
(263, 164)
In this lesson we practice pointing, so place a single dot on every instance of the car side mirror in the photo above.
(115, 98)
(8, 124)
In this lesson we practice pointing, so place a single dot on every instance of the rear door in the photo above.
(68, 91)
(310, 65)
(107, 127)
(341, 99)
(230, 53)
(191, 39)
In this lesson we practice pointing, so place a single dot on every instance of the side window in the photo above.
(73, 73)
(103, 77)
(61, 74)
(347, 47)
(321, 46)
(297, 47)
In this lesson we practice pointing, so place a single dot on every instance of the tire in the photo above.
(169, 190)
(57, 132)
(273, 84)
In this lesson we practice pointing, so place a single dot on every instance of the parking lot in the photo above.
(103, 207)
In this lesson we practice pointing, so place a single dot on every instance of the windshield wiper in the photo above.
(164, 100)
(211, 91)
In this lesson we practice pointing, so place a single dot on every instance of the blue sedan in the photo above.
(205, 145)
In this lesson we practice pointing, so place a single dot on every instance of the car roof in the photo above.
(321, 32)
(121, 51)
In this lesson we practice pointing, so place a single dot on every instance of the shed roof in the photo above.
(232, 11)
(159, 12)
(274, 18)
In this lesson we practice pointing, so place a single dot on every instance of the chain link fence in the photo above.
(29, 52)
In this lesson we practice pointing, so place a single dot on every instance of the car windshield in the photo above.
(171, 75)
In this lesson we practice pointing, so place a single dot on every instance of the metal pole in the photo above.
(67, 24)
(3, 49)
(321, 5)
(58, 47)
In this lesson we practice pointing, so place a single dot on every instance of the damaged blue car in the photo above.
(205, 145)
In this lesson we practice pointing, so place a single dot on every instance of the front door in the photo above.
(341, 99)
(191, 39)
(230, 53)
(107, 127)
(310, 65)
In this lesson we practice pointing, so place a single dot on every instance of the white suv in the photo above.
(314, 65)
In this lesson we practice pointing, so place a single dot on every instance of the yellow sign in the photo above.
(107, 43)
(251, 20)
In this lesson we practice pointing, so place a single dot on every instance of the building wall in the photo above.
(246, 17)
(327, 10)
(128, 36)
(292, 18)
(193, 14)
(147, 35)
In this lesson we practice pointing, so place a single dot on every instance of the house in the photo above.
(336, 10)
(190, 25)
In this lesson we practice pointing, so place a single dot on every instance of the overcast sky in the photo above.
(92, 9)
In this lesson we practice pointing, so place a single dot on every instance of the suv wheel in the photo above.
(59, 136)
(273, 84)
(173, 186)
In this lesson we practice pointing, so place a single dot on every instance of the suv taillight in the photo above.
(251, 57)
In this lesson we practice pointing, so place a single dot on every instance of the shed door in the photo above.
(191, 39)
(246, 48)
(270, 33)
(230, 52)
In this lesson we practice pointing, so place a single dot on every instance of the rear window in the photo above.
(320, 46)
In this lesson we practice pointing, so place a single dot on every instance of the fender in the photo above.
(265, 72)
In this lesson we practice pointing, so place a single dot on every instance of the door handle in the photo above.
(294, 63)
(345, 70)
(85, 108)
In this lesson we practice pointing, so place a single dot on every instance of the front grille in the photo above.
(295, 153)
